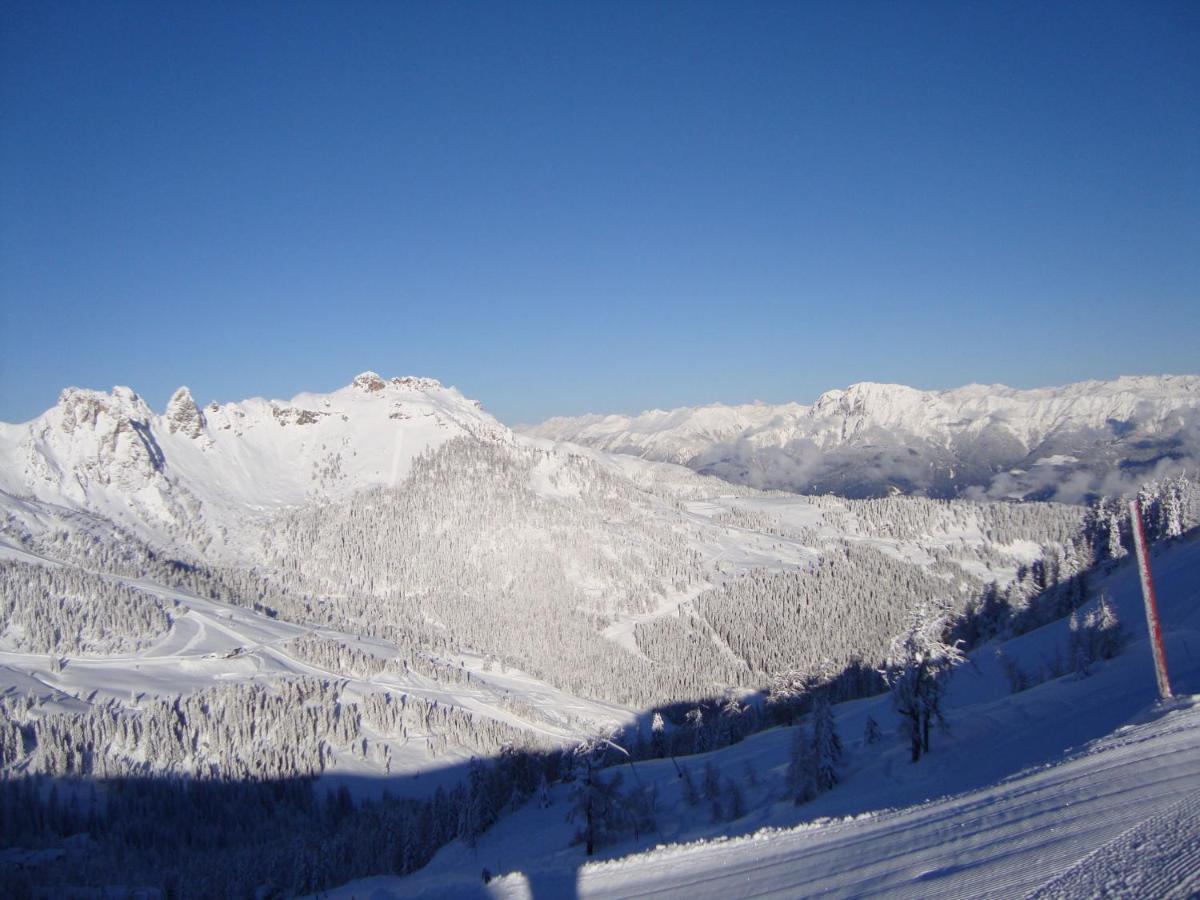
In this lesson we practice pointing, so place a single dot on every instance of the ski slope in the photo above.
(1075, 787)
(212, 643)
(1002, 841)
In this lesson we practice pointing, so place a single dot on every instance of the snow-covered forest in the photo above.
(60, 609)
(396, 657)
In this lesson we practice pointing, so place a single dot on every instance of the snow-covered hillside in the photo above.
(399, 510)
(193, 474)
(1059, 443)
(1078, 786)
(383, 590)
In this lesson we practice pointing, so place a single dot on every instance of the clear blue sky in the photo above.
(565, 207)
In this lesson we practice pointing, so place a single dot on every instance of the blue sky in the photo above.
(566, 207)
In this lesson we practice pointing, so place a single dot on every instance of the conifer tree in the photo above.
(918, 669)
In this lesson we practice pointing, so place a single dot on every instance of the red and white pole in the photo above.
(1152, 623)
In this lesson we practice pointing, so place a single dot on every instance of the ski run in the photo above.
(1076, 787)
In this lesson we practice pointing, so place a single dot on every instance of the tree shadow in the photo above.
(171, 836)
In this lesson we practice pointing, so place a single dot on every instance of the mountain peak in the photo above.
(372, 382)
(369, 382)
(184, 415)
(83, 407)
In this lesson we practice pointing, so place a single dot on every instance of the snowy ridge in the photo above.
(876, 438)
(111, 454)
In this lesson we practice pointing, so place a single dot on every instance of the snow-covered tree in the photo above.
(658, 736)
(1094, 635)
(918, 668)
(595, 798)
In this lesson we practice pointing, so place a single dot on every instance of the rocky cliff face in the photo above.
(183, 415)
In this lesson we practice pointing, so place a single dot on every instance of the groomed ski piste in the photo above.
(1079, 786)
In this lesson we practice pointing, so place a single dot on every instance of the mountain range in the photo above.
(377, 588)
(1067, 443)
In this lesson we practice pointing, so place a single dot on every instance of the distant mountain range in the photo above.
(1059, 443)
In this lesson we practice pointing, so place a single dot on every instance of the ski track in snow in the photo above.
(1050, 787)
(196, 651)
(1002, 841)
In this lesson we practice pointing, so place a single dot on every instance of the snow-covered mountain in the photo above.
(191, 468)
(1061, 443)
(369, 589)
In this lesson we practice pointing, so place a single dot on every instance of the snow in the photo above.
(878, 438)
(836, 416)
(1055, 787)
(1001, 841)
(110, 454)
(1159, 857)
(1077, 786)
(213, 642)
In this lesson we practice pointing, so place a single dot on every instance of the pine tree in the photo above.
(918, 668)
(802, 768)
(871, 732)
(826, 745)
(476, 814)
(595, 800)
(695, 720)
(658, 736)
(1094, 635)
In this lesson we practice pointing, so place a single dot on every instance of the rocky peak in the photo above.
(416, 383)
(369, 382)
(80, 408)
(867, 397)
(184, 415)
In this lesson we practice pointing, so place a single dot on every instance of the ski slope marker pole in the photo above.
(1152, 622)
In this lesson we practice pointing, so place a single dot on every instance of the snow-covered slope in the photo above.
(210, 644)
(203, 470)
(1075, 783)
(382, 582)
(1052, 443)
(399, 509)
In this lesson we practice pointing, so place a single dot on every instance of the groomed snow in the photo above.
(1074, 783)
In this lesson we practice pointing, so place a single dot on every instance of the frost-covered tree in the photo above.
(658, 736)
(477, 813)
(65, 610)
(732, 722)
(595, 798)
(918, 668)
(1094, 635)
